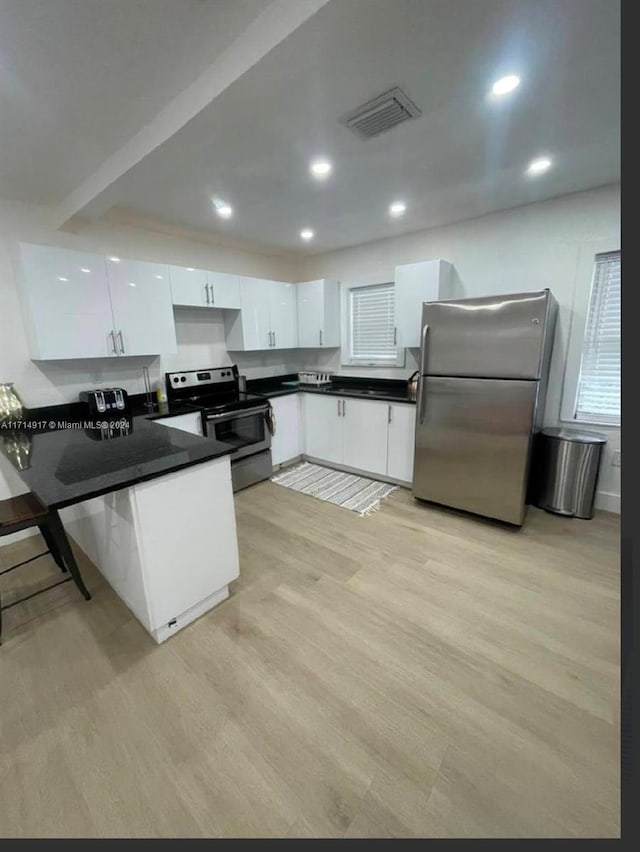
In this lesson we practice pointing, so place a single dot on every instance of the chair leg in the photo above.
(55, 528)
(53, 548)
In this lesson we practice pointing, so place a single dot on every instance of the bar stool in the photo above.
(23, 512)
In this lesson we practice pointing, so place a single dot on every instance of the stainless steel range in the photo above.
(230, 415)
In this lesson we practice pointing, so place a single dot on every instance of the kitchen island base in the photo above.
(167, 546)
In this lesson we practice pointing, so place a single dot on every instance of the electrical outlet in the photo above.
(616, 457)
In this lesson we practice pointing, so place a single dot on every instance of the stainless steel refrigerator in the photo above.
(484, 365)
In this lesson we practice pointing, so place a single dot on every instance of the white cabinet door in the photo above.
(310, 314)
(415, 283)
(224, 290)
(402, 436)
(318, 314)
(188, 286)
(285, 444)
(191, 422)
(142, 307)
(250, 329)
(66, 296)
(365, 434)
(323, 427)
(284, 315)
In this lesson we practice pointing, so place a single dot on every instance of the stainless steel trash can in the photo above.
(568, 462)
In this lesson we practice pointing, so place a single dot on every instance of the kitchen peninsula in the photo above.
(151, 506)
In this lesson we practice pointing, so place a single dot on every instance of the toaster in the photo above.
(106, 402)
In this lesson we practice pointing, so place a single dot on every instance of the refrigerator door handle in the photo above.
(420, 403)
(423, 351)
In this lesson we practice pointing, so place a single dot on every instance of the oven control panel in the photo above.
(201, 379)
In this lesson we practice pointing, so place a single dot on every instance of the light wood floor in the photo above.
(412, 673)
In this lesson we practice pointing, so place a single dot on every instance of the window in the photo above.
(598, 396)
(371, 325)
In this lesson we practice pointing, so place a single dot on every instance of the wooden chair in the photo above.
(23, 512)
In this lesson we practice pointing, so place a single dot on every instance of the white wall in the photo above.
(527, 248)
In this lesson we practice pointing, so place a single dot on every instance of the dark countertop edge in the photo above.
(385, 390)
(111, 489)
(382, 397)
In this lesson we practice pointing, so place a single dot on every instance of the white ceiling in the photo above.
(79, 77)
(251, 145)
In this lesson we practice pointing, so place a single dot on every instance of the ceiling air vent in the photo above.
(381, 114)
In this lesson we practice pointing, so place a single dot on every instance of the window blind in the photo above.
(598, 398)
(372, 329)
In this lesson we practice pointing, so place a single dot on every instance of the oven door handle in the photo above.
(237, 415)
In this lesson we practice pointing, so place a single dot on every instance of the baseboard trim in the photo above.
(606, 501)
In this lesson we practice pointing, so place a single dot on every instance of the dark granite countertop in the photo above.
(387, 390)
(63, 466)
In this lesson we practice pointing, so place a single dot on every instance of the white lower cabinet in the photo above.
(364, 442)
(152, 543)
(286, 443)
(323, 431)
(401, 442)
(369, 435)
(191, 422)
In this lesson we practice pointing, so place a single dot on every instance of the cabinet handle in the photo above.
(395, 336)
(213, 301)
(389, 415)
(206, 290)
(343, 406)
(274, 338)
(121, 342)
(339, 415)
(320, 335)
(112, 335)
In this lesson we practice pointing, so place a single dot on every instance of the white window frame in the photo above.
(347, 360)
(580, 310)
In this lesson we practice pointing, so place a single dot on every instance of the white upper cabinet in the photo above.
(318, 314)
(189, 286)
(223, 290)
(66, 301)
(267, 317)
(202, 288)
(142, 307)
(415, 283)
(283, 311)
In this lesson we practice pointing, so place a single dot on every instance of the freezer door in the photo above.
(493, 337)
(473, 439)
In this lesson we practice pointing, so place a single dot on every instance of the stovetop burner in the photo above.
(213, 389)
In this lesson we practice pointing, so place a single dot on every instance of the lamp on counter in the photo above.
(10, 404)
(17, 448)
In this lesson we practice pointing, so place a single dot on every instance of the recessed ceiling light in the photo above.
(538, 166)
(159, 277)
(62, 278)
(132, 283)
(321, 168)
(222, 208)
(306, 234)
(84, 269)
(191, 269)
(114, 259)
(505, 85)
(397, 208)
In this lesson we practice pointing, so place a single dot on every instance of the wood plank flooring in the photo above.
(413, 673)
